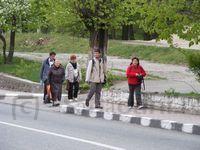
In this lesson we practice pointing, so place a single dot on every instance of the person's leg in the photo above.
(70, 91)
(60, 93)
(45, 91)
(98, 95)
(131, 96)
(76, 89)
(138, 95)
(91, 93)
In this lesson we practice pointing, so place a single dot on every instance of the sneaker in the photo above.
(76, 99)
(55, 104)
(140, 107)
(99, 107)
(130, 107)
(71, 100)
(87, 103)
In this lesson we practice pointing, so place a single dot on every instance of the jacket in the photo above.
(131, 74)
(45, 70)
(96, 71)
(70, 74)
(56, 75)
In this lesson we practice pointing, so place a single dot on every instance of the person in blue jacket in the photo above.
(47, 64)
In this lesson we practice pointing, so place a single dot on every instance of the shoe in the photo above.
(56, 104)
(140, 107)
(76, 99)
(99, 107)
(130, 107)
(71, 100)
(87, 103)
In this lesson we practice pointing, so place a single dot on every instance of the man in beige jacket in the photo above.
(95, 76)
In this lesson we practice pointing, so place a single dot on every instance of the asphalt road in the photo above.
(57, 131)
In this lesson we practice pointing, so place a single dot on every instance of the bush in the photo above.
(194, 63)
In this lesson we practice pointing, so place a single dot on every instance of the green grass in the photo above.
(64, 43)
(30, 70)
(22, 68)
(173, 93)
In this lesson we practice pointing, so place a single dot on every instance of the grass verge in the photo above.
(64, 43)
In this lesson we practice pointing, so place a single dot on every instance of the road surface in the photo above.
(57, 131)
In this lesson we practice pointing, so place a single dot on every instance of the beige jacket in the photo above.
(96, 72)
(70, 73)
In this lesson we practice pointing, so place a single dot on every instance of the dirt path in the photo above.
(177, 77)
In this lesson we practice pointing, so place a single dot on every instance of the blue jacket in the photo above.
(45, 70)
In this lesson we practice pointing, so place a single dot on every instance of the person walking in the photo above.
(135, 74)
(47, 64)
(73, 78)
(95, 76)
(55, 79)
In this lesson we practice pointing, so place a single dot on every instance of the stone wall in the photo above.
(157, 101)
(8, 82)
(170, 103)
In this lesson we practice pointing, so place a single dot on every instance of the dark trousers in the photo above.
(73, 90)
(45, 90)
(137, 90)
(95, 88)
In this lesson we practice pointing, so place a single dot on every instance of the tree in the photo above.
(2, 37)
(168, 17)
(95, 16)
(13, 13)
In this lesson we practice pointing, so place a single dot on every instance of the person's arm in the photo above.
(41, 71)
(130, 73)
(63, 79)
(88, 72)
(143, 73)
(49, 77)
(105, 67)
(80, 74)
(67, 73)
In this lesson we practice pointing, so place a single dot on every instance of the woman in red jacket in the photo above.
(135, 74)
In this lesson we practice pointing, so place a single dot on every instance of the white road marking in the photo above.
(62, 136)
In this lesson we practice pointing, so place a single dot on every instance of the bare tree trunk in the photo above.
(127, 32)
(99, 40)
(12, 41)
(4, 45)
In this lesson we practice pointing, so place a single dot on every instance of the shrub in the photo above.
(194, 63)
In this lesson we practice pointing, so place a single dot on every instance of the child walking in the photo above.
(135, 74)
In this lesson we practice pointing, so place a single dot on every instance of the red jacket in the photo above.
(131, 74)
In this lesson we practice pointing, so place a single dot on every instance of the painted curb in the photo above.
(143, 121)
(23, 96)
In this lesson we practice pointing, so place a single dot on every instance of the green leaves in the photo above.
(20, 9)
(167, 17)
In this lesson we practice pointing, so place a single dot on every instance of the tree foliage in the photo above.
(168, 17)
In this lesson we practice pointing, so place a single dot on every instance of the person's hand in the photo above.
(41, 82)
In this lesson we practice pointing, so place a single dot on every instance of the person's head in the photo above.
(135, 61)
(97, 54)
(73, 59)
(57, 63)
(52, 55)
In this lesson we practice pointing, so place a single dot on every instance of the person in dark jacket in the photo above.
(47, 64)
(55, 79)
(135, 74)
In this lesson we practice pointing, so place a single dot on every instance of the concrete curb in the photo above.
(23, 96)
(144, 121)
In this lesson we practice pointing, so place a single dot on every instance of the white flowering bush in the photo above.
(18, 10)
